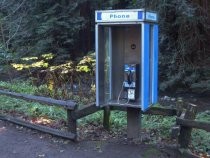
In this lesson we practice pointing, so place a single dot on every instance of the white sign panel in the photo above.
(132, 15)
(119, 16)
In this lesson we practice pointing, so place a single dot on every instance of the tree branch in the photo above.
(10, 38)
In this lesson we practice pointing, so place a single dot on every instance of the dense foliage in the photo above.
(37, 27)
(184, 48)
(66, 29)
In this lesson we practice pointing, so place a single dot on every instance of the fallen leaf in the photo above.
(66, 142)
(41, 155)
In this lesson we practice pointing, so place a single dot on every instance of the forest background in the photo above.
(53, 41)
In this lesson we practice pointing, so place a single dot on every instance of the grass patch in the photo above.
(200, 140)
(203, 116)
(161, 125)
(118, 119)
(19, 86)
(95, 118)
(33, 109)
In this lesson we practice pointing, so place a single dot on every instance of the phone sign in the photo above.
(151, 16)
(119, 16)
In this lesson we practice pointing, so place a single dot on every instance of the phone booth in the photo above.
(126, 58)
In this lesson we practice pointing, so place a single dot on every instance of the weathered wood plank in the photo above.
(160, 111)
(194, 124)
(180, 106)
(71, 122)
(151, 111)
(41, 128)
(85, 111)
(43, 100)
(175, 131)
(185, 131)
(118, 108)
(92, 108)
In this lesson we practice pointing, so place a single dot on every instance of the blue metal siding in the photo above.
(97, 65)
(140, 15)
(145, 67)
(155, 65)
(99, 17)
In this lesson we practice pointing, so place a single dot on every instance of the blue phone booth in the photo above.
(126, 58)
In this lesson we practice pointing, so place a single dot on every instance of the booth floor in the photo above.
(18, 142)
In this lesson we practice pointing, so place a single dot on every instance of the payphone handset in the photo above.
(130, 81)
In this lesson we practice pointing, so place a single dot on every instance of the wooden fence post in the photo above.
(72, 123)
(185, 132)
(133, 123)
(106, 119)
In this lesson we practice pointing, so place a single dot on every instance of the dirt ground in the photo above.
(19, 142)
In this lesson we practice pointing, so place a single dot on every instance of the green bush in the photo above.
(200, 140)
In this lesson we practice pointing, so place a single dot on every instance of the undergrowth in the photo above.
(200, 140)
(12, 105)
(19, 86)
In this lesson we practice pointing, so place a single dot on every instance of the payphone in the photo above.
(129, 91)
(126, 58)
(130, 83)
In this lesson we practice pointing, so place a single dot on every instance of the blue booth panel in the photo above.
(155, 65)
(145, 69)
(149, 71)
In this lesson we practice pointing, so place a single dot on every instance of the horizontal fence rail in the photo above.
(194, 124)
(41, 128)
(43, 100)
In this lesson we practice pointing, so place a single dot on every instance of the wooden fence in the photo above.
(185, 119)
(68, 105)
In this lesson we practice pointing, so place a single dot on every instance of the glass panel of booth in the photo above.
(107, 63)
(103, 64)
